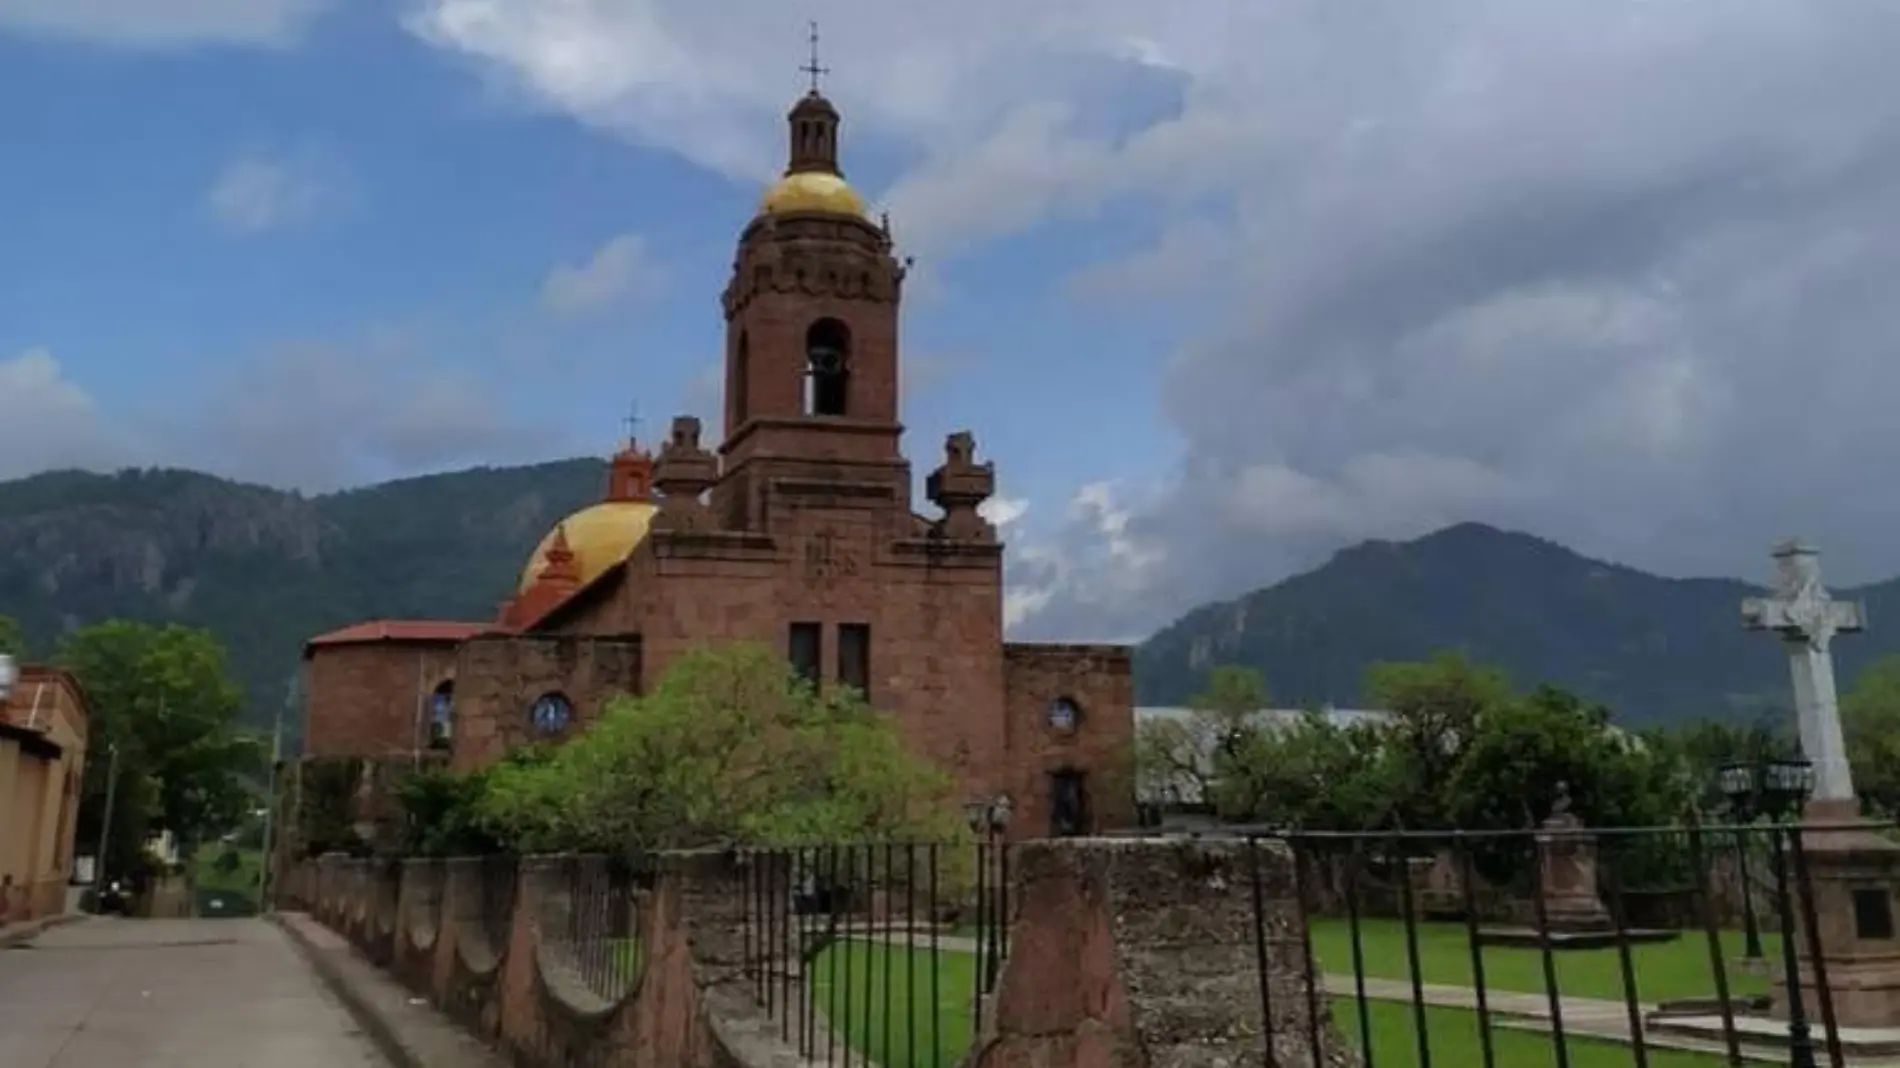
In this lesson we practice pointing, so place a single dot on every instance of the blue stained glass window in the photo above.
(1064, 714)
(551, 714)
(442, 716)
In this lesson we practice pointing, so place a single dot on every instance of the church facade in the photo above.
(797, 529)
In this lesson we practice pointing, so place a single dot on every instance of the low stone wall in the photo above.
(20, 902)
(1124, 951)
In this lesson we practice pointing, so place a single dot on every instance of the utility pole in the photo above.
(105, 821)
(264, 882)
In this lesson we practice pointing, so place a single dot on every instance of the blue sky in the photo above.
(1220, 288)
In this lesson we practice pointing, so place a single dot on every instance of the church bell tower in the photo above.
(811, 315)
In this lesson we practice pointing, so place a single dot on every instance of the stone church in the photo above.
(797, 530)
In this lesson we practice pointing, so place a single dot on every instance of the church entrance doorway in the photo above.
(1068, 803)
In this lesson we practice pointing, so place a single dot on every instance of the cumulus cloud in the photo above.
(1610, 270)
(48, 421)
(311, 415)
(621, 271)
(255, 194)
(318, 415)
(164, 23)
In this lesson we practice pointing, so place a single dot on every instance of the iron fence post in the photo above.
(1800, 1042)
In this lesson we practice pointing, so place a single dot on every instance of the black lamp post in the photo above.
(1784, 788)
(990, 819)
(1739, 782)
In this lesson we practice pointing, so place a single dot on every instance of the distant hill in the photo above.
(265, 568)
(1653, 649)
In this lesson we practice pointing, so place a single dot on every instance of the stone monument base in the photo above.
(1581, 913)
(1529, 938)
(1854, 874)
(1765, 1039)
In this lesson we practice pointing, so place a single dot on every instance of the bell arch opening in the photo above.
(827, 367)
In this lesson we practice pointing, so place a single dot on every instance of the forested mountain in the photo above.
(266, 568)
(1653, 649)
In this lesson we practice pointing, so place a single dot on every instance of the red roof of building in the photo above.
(17, 707)
(399, 630)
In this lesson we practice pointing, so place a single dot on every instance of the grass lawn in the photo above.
(852, 981)
(628, 956)
(1455, 1043)
(1664, 971)
(858, 1011)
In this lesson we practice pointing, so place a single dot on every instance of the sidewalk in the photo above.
(116, 993)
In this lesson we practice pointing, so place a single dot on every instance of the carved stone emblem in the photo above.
(829, 557)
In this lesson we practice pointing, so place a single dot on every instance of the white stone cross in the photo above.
(1806, 617)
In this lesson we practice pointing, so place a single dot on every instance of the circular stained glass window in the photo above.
(551, 714)
(1064, 714)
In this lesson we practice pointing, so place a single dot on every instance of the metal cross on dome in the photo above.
(633, 420)
(812, 68)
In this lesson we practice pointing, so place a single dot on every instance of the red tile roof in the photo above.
(399, 630)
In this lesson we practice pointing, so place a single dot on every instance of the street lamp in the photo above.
(1785, 786)
(1738, 783)
(990, 819)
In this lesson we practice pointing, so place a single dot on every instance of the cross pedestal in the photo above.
(1568, 858)
(1851, 873)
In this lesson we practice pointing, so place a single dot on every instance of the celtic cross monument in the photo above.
(1806, 618)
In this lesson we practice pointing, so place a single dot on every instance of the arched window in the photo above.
(550, 715)
(442, 715)
(827, 367)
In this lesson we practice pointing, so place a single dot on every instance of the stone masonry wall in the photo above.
(1099, 679)
(1143, 952)
(500, 678)
(367, 700)
(1124, 953)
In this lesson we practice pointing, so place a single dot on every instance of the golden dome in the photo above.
(600, 536)
(812, 191)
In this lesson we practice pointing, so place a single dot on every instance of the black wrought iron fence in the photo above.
(598, 931)
(877, 954)
(1609, 949)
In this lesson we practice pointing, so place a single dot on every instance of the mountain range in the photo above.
(265, 568)
(1653, 649)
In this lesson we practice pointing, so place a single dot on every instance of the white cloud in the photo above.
(165, 23)
(312, 416)
(48, 421)
(1604, 269)
(255, 194)
(1002, 511)
(317, 415)
(620, 272)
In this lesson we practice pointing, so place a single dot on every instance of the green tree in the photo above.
(1314, 774)
(729, 748)
(1508, 774)
(1435, 706)
(159, 697)
(443, 810)
(1870, 716)
(1704, 746)
(1187, 757)
(12, 638)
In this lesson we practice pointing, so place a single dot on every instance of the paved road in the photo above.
(110, 993)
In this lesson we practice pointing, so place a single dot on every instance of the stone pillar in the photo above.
(1853, 875)
(1567, 859)
(1145, 951)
